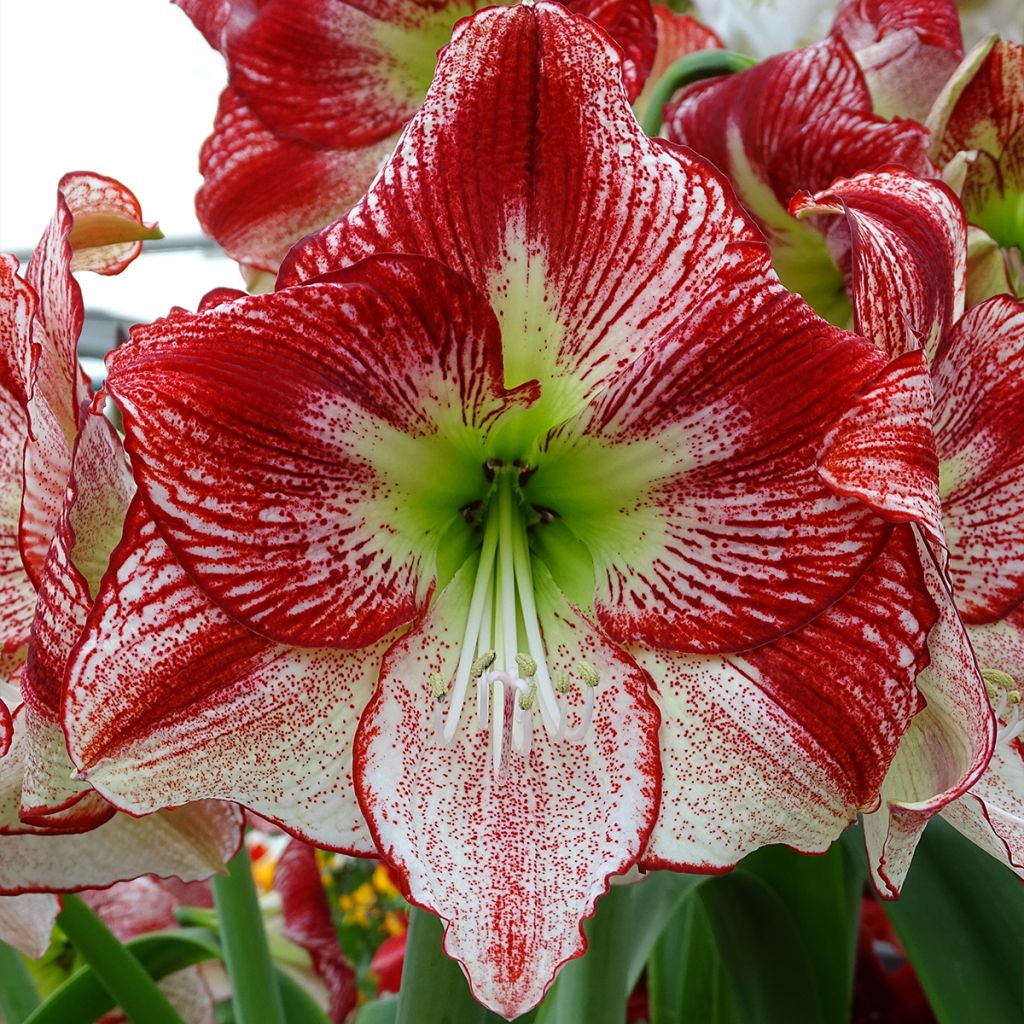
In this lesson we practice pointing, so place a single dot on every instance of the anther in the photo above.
(491, 467)
(527, 666)
(563, 684)
(997, 683)
(482, 664)
(528, 698)
(590, 674)
(471, 512)
(438, 686)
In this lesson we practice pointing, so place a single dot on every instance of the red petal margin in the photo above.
(261, 192)
(303, 539)
(26, 922)
(746, 541)
(907, 50)
(168, 700)
(307, 922)
(944, 751)
(631, 24)
(526, 171)
(784, 744)
(907, 240)
(513, 862)
(882, 449)
(979, 426)
(796, 121)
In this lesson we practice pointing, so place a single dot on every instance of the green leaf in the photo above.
(822, 895)
(763, 956)
(83, 998)
(18, 996)
(380, 1011)
(960, 919)
(299, 1006)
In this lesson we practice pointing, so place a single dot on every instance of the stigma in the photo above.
(502, 655)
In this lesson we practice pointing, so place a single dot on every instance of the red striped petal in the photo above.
(784, 744)
(168, 700)
(325, 516)
(584, 235)
(512, 862)
(631, 24)
(262, 192)
(908, 248)
(979, 374)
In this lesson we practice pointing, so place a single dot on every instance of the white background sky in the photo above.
(124, 87)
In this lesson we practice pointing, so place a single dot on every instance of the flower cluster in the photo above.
(579, 501)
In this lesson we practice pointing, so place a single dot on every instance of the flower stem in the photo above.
(18, 996)
(255, 994)
(121, 974)
(694, 67)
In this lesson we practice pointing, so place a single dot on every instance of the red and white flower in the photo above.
(519, 456)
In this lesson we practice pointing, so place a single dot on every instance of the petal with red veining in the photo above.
(785, 743)
(309, 503)
(631, 23)
(168, 700)
(527, 172)
(514, 860)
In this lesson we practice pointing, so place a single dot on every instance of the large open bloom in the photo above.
(537, 455)
(66, 485)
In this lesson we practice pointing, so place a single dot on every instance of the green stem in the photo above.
(694, 67)
(255, 994)
(121, 974)
(18, 996)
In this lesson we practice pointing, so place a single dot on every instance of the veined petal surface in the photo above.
(512, 860)
(168, 700)
(26, 921)
(306, 502)
(527, 172)
(785, 743)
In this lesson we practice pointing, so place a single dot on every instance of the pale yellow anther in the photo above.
(528, 698)
(590, 674)
(563, 684)
(527, 666)
(998, 683)
(438, 686)
(482, 664)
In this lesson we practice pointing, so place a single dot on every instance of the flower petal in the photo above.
(942, 753)
(692, 478)
(979, 422)
(527, 172)
(631, 24)
(907, 50)
(784, 744)
(26, 921)
(908, 242)
(514, 861)
(168, 700)
(309, 504)
(882, 449)
(262, 192)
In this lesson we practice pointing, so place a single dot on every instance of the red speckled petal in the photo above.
(513, 862)
(26, 922)
(88, 527)
(796, 121)
(908, 247)
(527, 172)
(943, 752)
(262, 192)
(716, 531)
(784, 744)
(979, 376)
(214, 17)
(308, 923)
(907, 50)
(294, 498)
(631, 24)
(168, 700)
(882, 450)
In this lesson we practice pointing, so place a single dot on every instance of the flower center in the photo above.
(502, 652)
(1006, 704)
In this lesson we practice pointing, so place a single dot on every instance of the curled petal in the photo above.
(305, 502)
(513, 860)
(943, 752)
(158, 664)
(262, 192)
(908, 249)
(979, 422)
(785, 743)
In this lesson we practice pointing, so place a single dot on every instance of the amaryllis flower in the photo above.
(908, 240)
(63, 514)
(317, 93)
(977, 129)
(537, 457)
(795, 122)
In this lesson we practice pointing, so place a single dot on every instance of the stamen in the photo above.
(438, 686)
